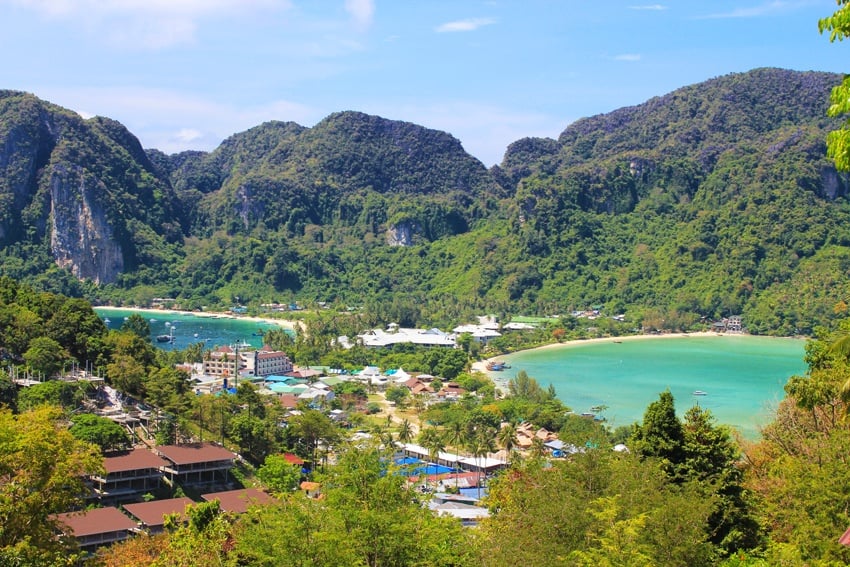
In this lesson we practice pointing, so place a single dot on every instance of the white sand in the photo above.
(269, 320)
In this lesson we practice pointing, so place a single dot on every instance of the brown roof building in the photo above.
(151, 515)
(237, 501)
(197, 463)
(128, 475)
(96, 527)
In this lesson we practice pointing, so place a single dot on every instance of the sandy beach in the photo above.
(481, 365)
(293, 325)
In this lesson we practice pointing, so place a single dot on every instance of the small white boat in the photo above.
(700, 393)
(107, 321)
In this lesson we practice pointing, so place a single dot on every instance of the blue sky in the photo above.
(185, 74)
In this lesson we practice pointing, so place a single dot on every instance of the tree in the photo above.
(398, 395)
(507, 438)
(660, 435)
(278, 474)
(405, 431)
(66, 395)
(137, 325)
(42, 468)
(838, 141)
(99, 431)
(432, 439)
(46, 357)
(312, 428)
(8, 392)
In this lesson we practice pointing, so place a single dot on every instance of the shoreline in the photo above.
(291, 325)
(481, 365)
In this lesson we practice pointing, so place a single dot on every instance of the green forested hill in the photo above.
(712, 200)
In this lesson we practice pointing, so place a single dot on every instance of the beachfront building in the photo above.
(221, 362)
(378, 338)
(265, 362)
(479, 333)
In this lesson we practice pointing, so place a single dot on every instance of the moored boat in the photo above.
(700, 393)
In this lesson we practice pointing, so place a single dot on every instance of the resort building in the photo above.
(151, 515)
(221, 363)
(197, 463)
(127, 476)
(96, 527)
(269, 363)
(377, 338)
(238, 501)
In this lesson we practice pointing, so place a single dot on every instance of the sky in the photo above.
(186, 74)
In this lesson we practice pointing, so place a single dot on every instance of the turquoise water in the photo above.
(743, 376)
(190, 329)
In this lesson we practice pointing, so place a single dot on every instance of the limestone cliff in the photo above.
(81, 238)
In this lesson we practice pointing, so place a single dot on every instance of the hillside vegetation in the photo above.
(712, 200)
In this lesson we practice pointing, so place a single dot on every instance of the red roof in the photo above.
(195, 453)
(133, 460)
(153, 513)
(845, 538)
(237, 501)
(293, 459)
(95, 521)
(289, 400)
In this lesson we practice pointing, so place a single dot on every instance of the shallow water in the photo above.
(742, 376)
(189, 329)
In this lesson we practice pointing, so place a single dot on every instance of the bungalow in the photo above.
(96, 527)
(480, 333)
(151, 515)
(377, 338)
(197, 463)
(128, 475)
(238, 501)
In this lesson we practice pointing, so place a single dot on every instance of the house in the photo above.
(128, 475)
(197, 463)
(96, 527)
(238, 501)
(312, 489)
(458, 506)
(151, 515)
(479, 333)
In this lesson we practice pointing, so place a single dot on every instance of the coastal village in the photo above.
(121, 503)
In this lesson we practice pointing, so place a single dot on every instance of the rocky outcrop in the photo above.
(81, 238)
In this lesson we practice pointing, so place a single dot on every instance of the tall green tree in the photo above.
(660, 435)
(99, 431)
(137, 325)
(42, 468)
(838, 141)
(46, 357)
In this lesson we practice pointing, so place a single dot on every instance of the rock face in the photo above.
(81, 238)
(401, 234)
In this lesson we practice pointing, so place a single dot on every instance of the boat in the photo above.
(700, 393)
(107, 321)
(259, 333)
(164, 338)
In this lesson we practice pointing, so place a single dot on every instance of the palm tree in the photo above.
(481, 444)
(454, 435)
(432, 440)
(507, 438)
(405, 431)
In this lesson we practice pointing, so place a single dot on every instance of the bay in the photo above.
(742, 376)
(190, 329)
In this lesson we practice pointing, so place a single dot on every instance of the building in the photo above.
(377, 338)
(197, 463)
(151, 515)
(238, 501)
(221, 363)
(96, 527)
(271, 362)
(128, 475)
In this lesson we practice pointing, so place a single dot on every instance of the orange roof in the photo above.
(293, 459)
(307, 485)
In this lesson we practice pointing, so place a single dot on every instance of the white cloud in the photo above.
(149, 24)
(649, 7)
(361, 11)
(471, 24)
(172, 121)
(753, 11)
(627, 57)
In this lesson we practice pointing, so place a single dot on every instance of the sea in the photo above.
(190, 329)
(740, 378)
